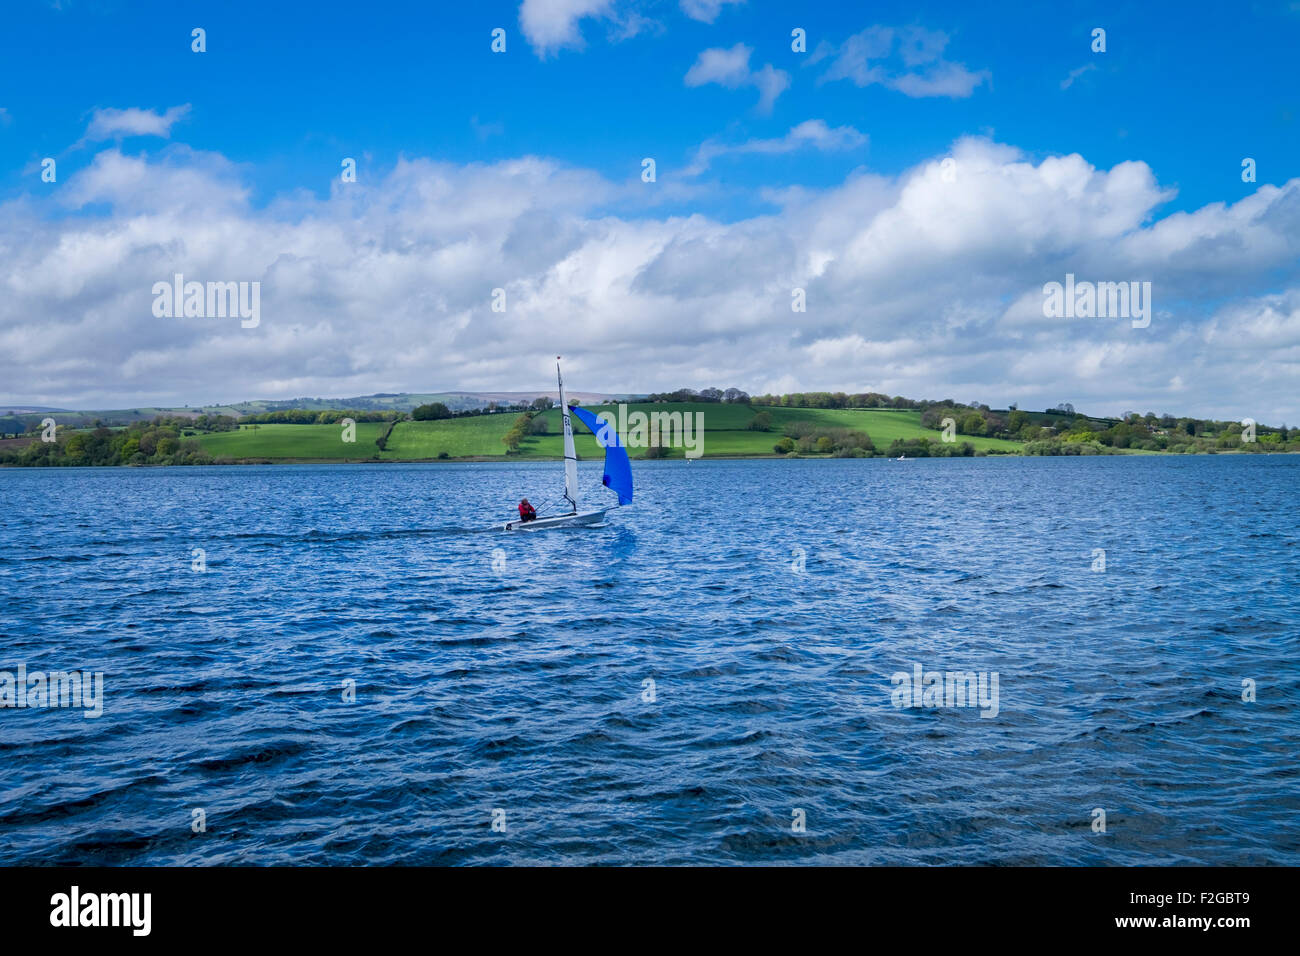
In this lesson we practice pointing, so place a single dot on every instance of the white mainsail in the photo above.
(570, 456)
(617, 477)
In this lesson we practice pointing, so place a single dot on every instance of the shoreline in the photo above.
(640, 461)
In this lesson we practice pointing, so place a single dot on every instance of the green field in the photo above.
(478, 436)
(294, 441)
(882, 424)
(726, 432)
(725, 435)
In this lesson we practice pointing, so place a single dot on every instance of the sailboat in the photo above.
(617, 477)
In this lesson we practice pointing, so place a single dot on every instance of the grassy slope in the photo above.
(480, 436)
(293, 441)
(475, 437)
(1049, 418)
(883, 425)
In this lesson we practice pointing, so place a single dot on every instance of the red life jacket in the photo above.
(527, 510)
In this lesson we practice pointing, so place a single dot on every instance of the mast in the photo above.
(570, 456)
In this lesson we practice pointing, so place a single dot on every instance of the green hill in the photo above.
(725, 434)
(294, 442)
(187, 439)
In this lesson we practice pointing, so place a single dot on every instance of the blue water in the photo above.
(768, 601)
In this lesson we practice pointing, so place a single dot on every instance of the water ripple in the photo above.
(369, 672)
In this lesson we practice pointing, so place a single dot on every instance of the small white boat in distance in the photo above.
(617, 477)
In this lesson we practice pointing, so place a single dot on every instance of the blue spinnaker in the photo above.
(618, 470)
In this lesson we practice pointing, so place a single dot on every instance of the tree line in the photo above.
(162, 441)
(730, 395)
(330, 416)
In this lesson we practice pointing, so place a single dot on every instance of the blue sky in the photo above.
(747, 135)
(1190, 88)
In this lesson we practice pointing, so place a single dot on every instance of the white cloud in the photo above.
(1255, 326)
(810, 134)
(108, 123)
(925, 284)
(1076, 73)
(552, 25)
(730, 68)
(706, 11)
(178, 180)
(908, 60)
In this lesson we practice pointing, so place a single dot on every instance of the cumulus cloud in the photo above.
(909, 60)
(552, 25)
(810, 134)
(706, 11)
(925, 284)
(730, 68)
(177, 180)
(108, 123)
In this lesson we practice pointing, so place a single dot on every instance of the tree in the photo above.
(431, 412)
(760, 422)
(522, 427)
(76, 446)
(784, 446)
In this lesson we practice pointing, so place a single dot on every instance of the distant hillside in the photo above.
(793, 423)
(380, 402)
(718, 429)
(728, 432)
(406, 401)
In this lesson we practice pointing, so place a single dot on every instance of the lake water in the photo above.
(504, 677)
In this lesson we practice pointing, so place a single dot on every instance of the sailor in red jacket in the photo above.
(526, 511)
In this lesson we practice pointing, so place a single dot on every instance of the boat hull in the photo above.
(557, 521)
